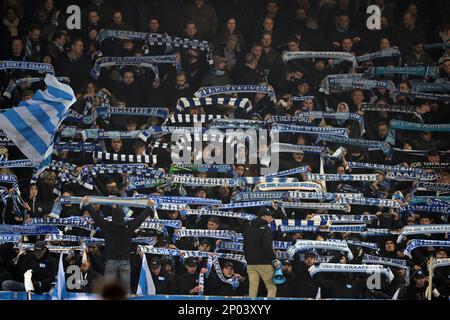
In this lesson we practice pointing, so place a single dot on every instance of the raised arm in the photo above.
(135, 223)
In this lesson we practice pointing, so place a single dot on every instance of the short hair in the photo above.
(109, 181)
(293, 38)
(117, 11)
(382, 123)
(34, 27)
(16, 38)
(75, 40)
(94, 10)
(57, 35)
(138, 144)
(190, 22)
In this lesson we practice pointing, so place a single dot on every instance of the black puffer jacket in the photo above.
(44, 270)
(258, 247)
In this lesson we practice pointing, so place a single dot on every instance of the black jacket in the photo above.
(186, 282)
(165, 283)
(44, 270)
(118, 233)
(258, 247)
(306, 286)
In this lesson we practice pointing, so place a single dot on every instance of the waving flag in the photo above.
(33, 123)
(59, 290)
(145, 285)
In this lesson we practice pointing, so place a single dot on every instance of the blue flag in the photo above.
(59, 290)
(145, 285)
(33, 123)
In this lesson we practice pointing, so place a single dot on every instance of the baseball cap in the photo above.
(420, 274)
(40, 246)
(190, 262)
(155, 262)
(263, 212)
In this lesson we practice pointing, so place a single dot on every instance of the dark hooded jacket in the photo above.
(258, 247)
(118, 232)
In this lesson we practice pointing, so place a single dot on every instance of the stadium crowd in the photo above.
(391, 101)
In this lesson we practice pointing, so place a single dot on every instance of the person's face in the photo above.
(231, 44)
(17, 47)
(50, 179)
(410, 221)
(231, 25)
(434, 158)
(309, 261)
(128, 78)
(418, 48)
(92, 35)
(201, 194)
(286, 268)
(382, 131)
(293, 46)
(39, 254)
(33, 191)
(11, 15)
(272, 8)
(128, 45)
(156, 270)
(223, 190)
(446, 67)
(172, 215)
(303, 88)
(343, 21)
(267, 40)
(90, 88)
(340, 170)
(47, 59)
(268, 24)
(93, 17)
(212, 225)
(384, 22)
(424, 221)
(77, 48)
(154, 25)
(48, 5)
(389, 246)
(61, 40)
(420, 282)
(319, 65)
(167, 268)
(191, 30)
(268, 219)
(35, 35)
(131, 126)
(441, 254)
(191, 270)
(347, 44)
(426, 136)
(342, 108)
(204, 247)
(308, 104)
(116, 144)
(240, 170)
(117, 18)
(403, 87)
(298, 157)
(112, 187)
(257, 51)
(408, 21)
(357, 97)
(228, 271)
(181, 80)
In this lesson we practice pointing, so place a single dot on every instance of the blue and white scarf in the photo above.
(245, 88)
(324, 245)
(242, 103)
(418, 243)
(335, 55)
(388, 203)
(217, 213)
(425, 96)
(29, 230)
(160, 39)
(389, 108)
(341, 177)
(259, 196)
(351, 268)
(36, 66)
(383, 53)
(314, 206)
(340, 132)
(76, 146)
(369, 144)
(107, 111)
(423, 229)
(17, 82)
(295, 148)
(421, 71)
(323, 228)
(309, 186)
(411, 176)
(131, 158)
(71, 222)
(203, 233)
(431, 87)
